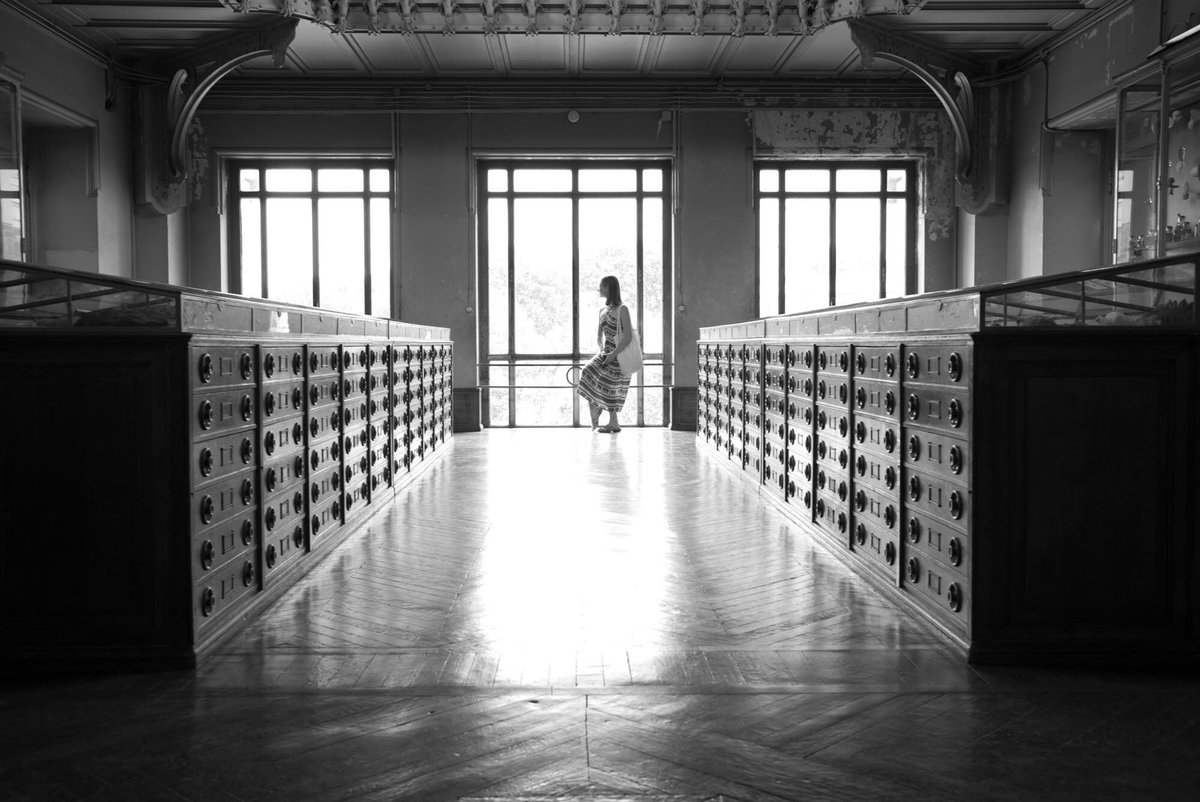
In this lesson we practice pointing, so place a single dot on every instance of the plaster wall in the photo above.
(63, 214)
(1025, 229)
(64, 77)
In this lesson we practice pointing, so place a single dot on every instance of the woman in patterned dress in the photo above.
(601, 382)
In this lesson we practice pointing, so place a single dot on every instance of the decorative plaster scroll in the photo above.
(324, 14)
(531, 11)
(574, 10)
(372, 16)
(657, 9)
(490, 22)
(699, 8)
(615, 9)
(343, 14)
(449, 7)
(408, 17)
(737, 9)
(287, 8)
(772, 9)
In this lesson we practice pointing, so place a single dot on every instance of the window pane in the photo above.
(498, 395)
(608, 180)
(339, 180)
(768, 257)
(381, 257)
(897, 180)
(768, 180)
(539, 406)
(281, 180)
(381, 180)
(497, 268)
(248, 180)
(542, 247)
(652, 180)
(858, 239)
(10, 228)
(251, 246)
(806, 249)
(289, 250)
(607, 247)
(542, 180)
(652, 377)
(806, 181)
(652, 276)
(858, 180)
(897, 247)
(497, 180)
(342, 254)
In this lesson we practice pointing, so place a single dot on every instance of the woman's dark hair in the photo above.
(611, 289)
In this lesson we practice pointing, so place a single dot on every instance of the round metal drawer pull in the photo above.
(271, 555)
(808, 415)
(314, 427)
(843, 458)
(314, 395)
(914, 407)
(247, 365)
(860, 465)
(889, 441)
(822, 360)
(808, 359)
(913, 364)
(843, 393)
(206, 462)
(297, 398)
(860, 362)
(913, 569)
(247, 408)
(914, 530)
(314, 492)
(914, 488)
(914, 448)
(860, 501)
(860, 534)
(821, 391)
(247, 533)
(206, 368)
(248, 573)
(889, 402)
(807, 441)
(206, 414)
(820, 508)
(843, 491)
(315, 524)
(334, 359)
(955, 551)
(821, 419)
(822, 450)
(269, 519)
(956, 413)
(956, 505)
(807, 500)
(314, 362)
(808, 387)
(268, 445)
(298, 467)
(843, 426)
(954, 597)
(791, 488)
(298, 537)
(956, 460)
(269, 365)
(298, 433)
(889, 516)
(271, 480)
(860, 397)
(889, 553)
(889, 477)
(336, 509)
(889, 365)
(208, 602)
(297, 364)
(842, 522)
(955, 367)
(207, 508)
(860, 432)
(269, 404)
(208, 553)
(843, 361)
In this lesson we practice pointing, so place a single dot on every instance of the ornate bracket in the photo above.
(615, 9)
(699, 9)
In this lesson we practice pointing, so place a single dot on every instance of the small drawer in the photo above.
(833, 390)
(775, 356)
(880, 472)
(878, 399)
(947, 364)
(801, 355)
(880, 510)
(833, 454)
(216, 366)
(221, 500)
(222, 593)
(282, 510)
(324, 361)
(284, 547)
(832, 516)
(325, 517)
(221, 456)
(935, 540)
(281, 475)
(282, 399)
(934, 495)
(877, 546)
(381, 483)
(801, 438)
(277, 438)
(220, 544)
(880, 436)
(833, 423)
(834, 484)
(325, 485)
(945, 593)
(354, 358)
(937, 407)
(833, 359)
(323, 392)
(937, 454)
(379, 356)
(223, 411)
(281, 362)
(878, 363)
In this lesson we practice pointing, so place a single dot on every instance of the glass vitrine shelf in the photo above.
(32, 297)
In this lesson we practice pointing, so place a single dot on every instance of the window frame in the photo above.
(910, 194)
(234, 165)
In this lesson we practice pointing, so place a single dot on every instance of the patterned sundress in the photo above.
(605, 385)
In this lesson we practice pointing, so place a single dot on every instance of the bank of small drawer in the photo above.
(834, 485)
(284, 547)
(832, 516)
(218, 596)
(281, 474)
(833, 455)
(879, 399)
(833, 359)
(357, 497)
(324, 361)
(934, 495)
(379, 407)
(323, 392)
(280, 362)
(945, 591)
(937, 454)
(354, 357)
(282, 399)
(877, 435)
(325, 517)
(937, 407)
(877, 471)
(219, 501)
(877, 545)
(217, 545)
(282, 509)
(879, 509)
(378, 455)
(381, 481)
(222, 456)
(221, 411)
(946, 364)
(877, 363)
(801, 356)
(353, 388)
(218, 366)
(833, 423)
(802, 439)
(935, 540)
(281, 437)
(833, 390)
(800, 413)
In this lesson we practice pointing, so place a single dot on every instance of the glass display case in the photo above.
(36, 298)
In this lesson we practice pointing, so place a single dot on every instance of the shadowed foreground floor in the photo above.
(560, 614)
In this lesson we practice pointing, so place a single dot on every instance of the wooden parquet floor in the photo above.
(561, 615)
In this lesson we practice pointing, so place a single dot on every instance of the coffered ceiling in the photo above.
(566, 39)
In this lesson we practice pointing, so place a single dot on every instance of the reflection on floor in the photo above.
(562, 614)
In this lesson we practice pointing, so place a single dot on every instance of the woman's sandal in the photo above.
(606, 429)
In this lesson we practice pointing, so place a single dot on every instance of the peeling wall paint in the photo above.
(925, 135)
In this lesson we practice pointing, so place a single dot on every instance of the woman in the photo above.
(601, 381)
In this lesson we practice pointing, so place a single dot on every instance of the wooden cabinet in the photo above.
(178, 459)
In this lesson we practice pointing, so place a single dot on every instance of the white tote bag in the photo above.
(629, 357)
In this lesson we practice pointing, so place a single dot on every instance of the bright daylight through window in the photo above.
(832, 233)
(549, 231)
(317, 233)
